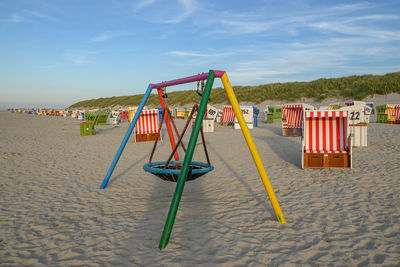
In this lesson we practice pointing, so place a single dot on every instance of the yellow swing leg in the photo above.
(252, 148)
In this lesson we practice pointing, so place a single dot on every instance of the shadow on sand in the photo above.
(242, 181)
(287, 148)
(139, 161)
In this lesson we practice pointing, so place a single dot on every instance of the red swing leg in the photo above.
(167, 122)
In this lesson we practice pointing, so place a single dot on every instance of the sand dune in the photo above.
(53, 212)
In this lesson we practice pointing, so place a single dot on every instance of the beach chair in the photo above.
(359, 117)
(371, 105)
(212, 112)
(101, 119)
(397, 114)
(218, 117)
(87, 128)
(265, 112)
(381, 116)
(113, 118)
(326, 139)
(247, 112)
(81, 115)
(358, 113)
(392, 112)
(131, 113)
(349, 103)
(180, 114)
(228, 116)
(256, 112)
(292, 118)
(160, 113)
(274, 114)
(124, 115)
(334, 106)
(147, 126)
(353, 102)
(208, 120)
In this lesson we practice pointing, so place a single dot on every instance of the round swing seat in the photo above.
(171, 173)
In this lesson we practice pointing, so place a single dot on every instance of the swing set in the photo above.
(178, 170)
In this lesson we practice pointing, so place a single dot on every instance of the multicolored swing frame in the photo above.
(210, 76)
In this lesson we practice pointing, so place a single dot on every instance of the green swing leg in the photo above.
(186, 162)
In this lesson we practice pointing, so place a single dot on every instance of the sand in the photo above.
(53, 212)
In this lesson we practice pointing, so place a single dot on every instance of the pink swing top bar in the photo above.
(198, 77)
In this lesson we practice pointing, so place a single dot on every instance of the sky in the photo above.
(56, 52)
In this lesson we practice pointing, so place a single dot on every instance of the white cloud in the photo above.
(105, 36)
(381, 17)
(343, 28)
(350, 7)
(189, 7)
(196, 54)
(328, 57)
(187, 54)
(13, 18)
(143, 4)
(247, 26)
(252, 77)
(26, 15)
(39, 15)
(165, 11)
(338, 19)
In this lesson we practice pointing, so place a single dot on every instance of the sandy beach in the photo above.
(53, 212)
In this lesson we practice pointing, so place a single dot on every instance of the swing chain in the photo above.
(164, 92)
(202, 83)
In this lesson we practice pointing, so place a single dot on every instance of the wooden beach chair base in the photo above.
(226, 124)
(147, 137)
(292, 131)
(324, 160)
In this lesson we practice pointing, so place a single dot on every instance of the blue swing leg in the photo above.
(126, 137)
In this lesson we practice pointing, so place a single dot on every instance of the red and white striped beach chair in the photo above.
(146, 128)
(123, 114)
(228, 115)
(326, 139)
(395, 114)
(292, 118)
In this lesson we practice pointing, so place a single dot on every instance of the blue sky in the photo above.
(57, 52)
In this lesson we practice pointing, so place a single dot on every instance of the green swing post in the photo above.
(186, 162)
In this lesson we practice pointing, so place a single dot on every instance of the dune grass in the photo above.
(353, 87)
